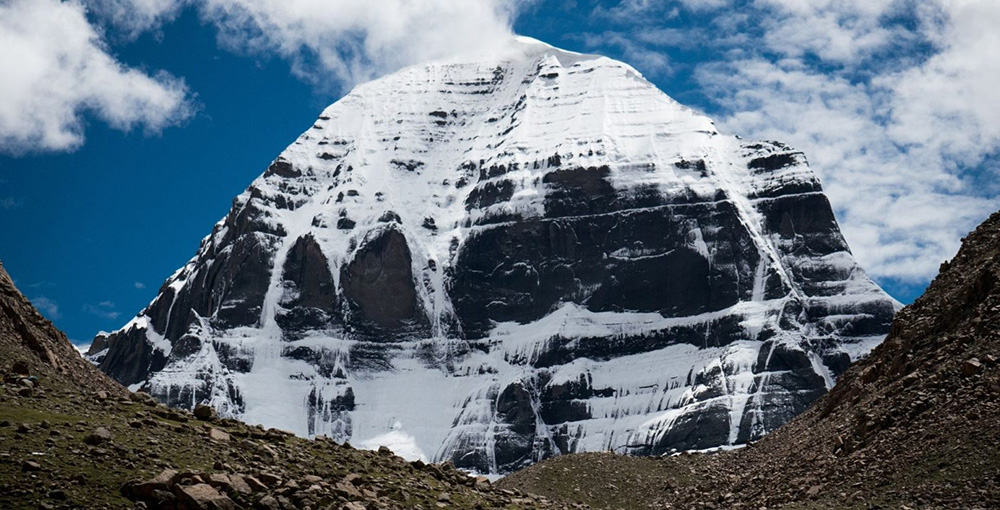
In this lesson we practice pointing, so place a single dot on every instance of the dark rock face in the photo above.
(243, 288)
(379, 285)
(515, 449)
(310, 300)
(131, 358)
(514, 280)
(99, 344)
(630, 260)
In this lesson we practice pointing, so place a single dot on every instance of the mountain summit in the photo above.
(496, 259)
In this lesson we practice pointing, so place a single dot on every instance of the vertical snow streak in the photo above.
(729, 170)
(760, 278)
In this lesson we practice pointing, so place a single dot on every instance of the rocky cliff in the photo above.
(500, 258)
(913, 425)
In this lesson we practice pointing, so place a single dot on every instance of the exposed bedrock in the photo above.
(379, 286)
(309, 299)
(644, 260)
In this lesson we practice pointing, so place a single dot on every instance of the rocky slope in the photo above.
(32, 346)
(72, 438)
(499, 258)
(65, 449)
(914, 425)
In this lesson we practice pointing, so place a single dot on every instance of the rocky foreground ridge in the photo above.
(914, 425)
(32, 347)
(72, 438)
(500, 258)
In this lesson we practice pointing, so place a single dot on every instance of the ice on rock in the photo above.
(497, 258)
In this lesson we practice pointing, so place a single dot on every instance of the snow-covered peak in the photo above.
(509, 256)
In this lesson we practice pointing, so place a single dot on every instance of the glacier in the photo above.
(492, 259)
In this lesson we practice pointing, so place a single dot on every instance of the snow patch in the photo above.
(398, 441)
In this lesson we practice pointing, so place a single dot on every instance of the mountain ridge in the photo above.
(511, 235)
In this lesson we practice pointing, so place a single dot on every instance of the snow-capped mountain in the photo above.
(499, 258)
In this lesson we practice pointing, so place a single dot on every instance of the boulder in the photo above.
(99, 436)
(255, 484)
(20, 368)
(971, 367)
(204, 412)
(144, 490)
(203, 497)
(239, 484)
(218, 435)
(271, 480)
(267, 503)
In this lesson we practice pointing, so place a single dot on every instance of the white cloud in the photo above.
(56, 68)
(636, 11)
(836, 31)
(140, 285)
(893, 101)
(356, 40)
(334, 43)
(135, 16)
(649, 62)
(104, 310)
(950, 105)
(48, 307)
(902, 153)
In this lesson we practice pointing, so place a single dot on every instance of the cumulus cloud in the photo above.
(950, 104)
(56, 69)
(334, 43)
(132, 17)
(893, 102)
(835, 31)
(638, 54)
(356, 40)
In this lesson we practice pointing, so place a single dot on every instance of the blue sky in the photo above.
(124, 138)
